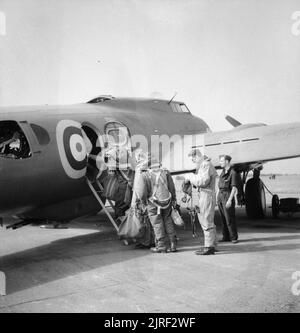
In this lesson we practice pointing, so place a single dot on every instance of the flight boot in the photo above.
(173, 247)
(158, 250)
(206, 251)
(224, 240)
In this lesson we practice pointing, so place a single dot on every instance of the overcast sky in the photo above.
(236, 57)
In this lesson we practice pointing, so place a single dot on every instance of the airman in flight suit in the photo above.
(205, 180)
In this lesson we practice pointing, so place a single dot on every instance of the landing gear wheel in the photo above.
(275, 206)
(255, 199)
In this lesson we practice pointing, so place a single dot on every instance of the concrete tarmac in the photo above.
(85, 268)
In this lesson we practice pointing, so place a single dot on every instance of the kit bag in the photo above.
(177, 219)
(132, 225)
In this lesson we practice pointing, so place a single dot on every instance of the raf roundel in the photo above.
(71, 147)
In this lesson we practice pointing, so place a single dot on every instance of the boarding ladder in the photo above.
(97, 189)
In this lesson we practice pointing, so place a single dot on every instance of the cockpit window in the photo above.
(13, 143)
(184, 108)
(180, 108)
(100, 99)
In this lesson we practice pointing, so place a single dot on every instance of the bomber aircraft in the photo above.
(44, 151)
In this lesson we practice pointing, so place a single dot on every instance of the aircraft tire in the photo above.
(255, 198)
(275, 206)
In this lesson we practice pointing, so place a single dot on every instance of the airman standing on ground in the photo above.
(204, 180)
(228, 184)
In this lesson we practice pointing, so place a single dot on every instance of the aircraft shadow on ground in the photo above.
(63, 258)
(71, 256)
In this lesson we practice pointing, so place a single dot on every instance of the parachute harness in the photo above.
(191, 208)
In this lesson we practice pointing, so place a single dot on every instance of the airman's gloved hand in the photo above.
(228, 204)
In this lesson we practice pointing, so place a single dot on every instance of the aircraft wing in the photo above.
(248, 145)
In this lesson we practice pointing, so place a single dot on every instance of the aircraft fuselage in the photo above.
(40, 186)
